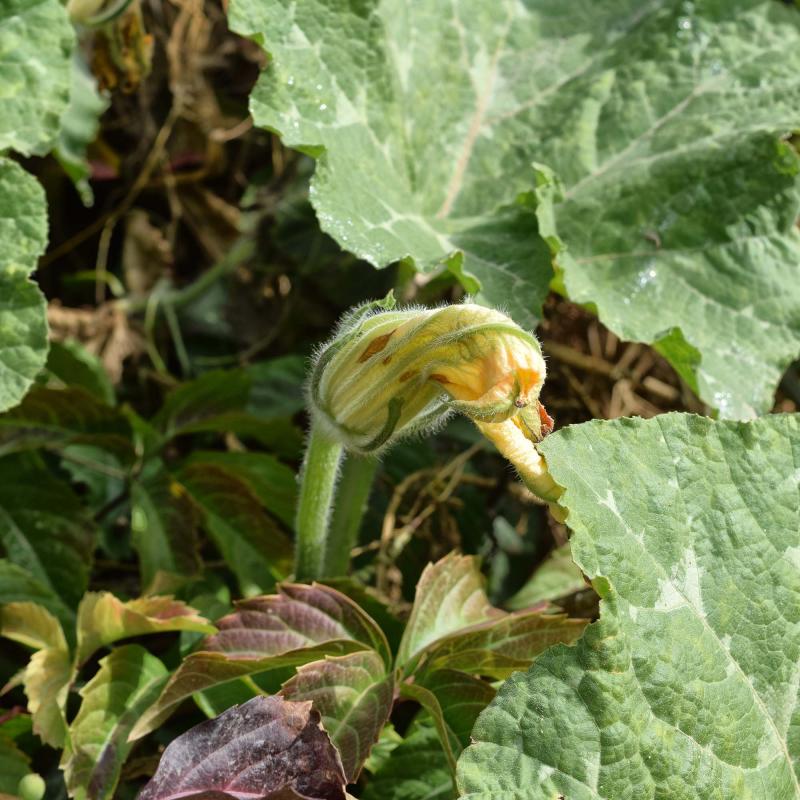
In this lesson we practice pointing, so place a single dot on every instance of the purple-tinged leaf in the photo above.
(354, 694)
(453, 625)
(103, 619)
(266, 749)
(451, 594)
(300, 624)
(251, 542)
(56, 418)
(499, 647)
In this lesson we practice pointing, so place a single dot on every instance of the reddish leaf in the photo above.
(267, 748)
(299, 625)
(354, 694)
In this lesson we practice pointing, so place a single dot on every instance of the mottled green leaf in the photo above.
(44, 528)
(393, 101)
(79, 126)
(36, 41)
(353, 694)
(128, 681)
(23, 237)
(664, 121)
(687, 686)
(300, 624)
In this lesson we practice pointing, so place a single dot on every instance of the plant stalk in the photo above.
(314, 509)
(355, 485)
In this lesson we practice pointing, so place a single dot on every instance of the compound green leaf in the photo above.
(665, 121)
(23, 237)
(454, 700)
(44, 528)
(251, 542)
(353, 694)
(128, 681)
(451, 595)
(58, 418)
(273, 483)
(416, 770)
(17, 585)
(164, 526)
(36, 41)
(687, 686)
(453, 625)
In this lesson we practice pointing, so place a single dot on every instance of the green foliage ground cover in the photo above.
(612, 172)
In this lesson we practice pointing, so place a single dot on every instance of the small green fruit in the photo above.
(31, 787)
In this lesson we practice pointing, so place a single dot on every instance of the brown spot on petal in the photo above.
(439, 378)
(406, 375)
(375, 346)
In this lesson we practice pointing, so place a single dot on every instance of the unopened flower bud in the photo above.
(388, 373)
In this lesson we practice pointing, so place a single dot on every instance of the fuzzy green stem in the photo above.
(355, 485)
(317, 489)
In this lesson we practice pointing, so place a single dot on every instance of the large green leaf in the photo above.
(396, 97)
(663, 119)
(36, 40)
(687, 686)
(128, 680)
(23, 326)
